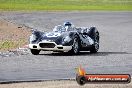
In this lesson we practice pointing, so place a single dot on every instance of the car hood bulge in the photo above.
(53, 36)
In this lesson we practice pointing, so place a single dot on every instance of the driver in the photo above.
(68, 25)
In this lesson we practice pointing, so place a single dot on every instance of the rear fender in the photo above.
(92, 32)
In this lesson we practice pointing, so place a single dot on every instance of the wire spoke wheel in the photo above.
(75, 45)
(95, 46)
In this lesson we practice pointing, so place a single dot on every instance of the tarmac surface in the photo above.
(114, 56)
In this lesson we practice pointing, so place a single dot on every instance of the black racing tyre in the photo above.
(95, 46)
(34, 51)
(81, 80)
(75, 46)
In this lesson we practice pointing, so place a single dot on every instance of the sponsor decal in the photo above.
(82, 77)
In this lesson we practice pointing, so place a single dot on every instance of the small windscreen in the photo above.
(59, 28)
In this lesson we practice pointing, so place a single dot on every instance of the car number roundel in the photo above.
(53, 34)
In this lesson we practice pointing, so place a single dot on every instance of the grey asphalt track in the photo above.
(114, 56)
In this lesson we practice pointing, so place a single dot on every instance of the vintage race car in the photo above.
(65, 38)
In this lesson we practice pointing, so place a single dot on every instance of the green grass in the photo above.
(31, 5)
(10, 44)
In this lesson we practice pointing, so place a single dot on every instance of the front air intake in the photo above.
(47, 45)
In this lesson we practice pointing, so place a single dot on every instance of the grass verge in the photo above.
(7, 45)
(65, 5)
(12, 36)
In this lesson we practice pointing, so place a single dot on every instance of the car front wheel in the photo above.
(75, 46)
(34, 51)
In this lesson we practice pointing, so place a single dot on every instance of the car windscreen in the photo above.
(59, 28)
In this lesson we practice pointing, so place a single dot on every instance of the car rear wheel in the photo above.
(95, 46)
(34, 51)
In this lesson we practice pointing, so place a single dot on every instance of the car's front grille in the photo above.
(47, 45)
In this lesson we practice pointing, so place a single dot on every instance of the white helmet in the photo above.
(67, 24)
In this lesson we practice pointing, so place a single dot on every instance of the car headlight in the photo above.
(67, 39)
(32, 38)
